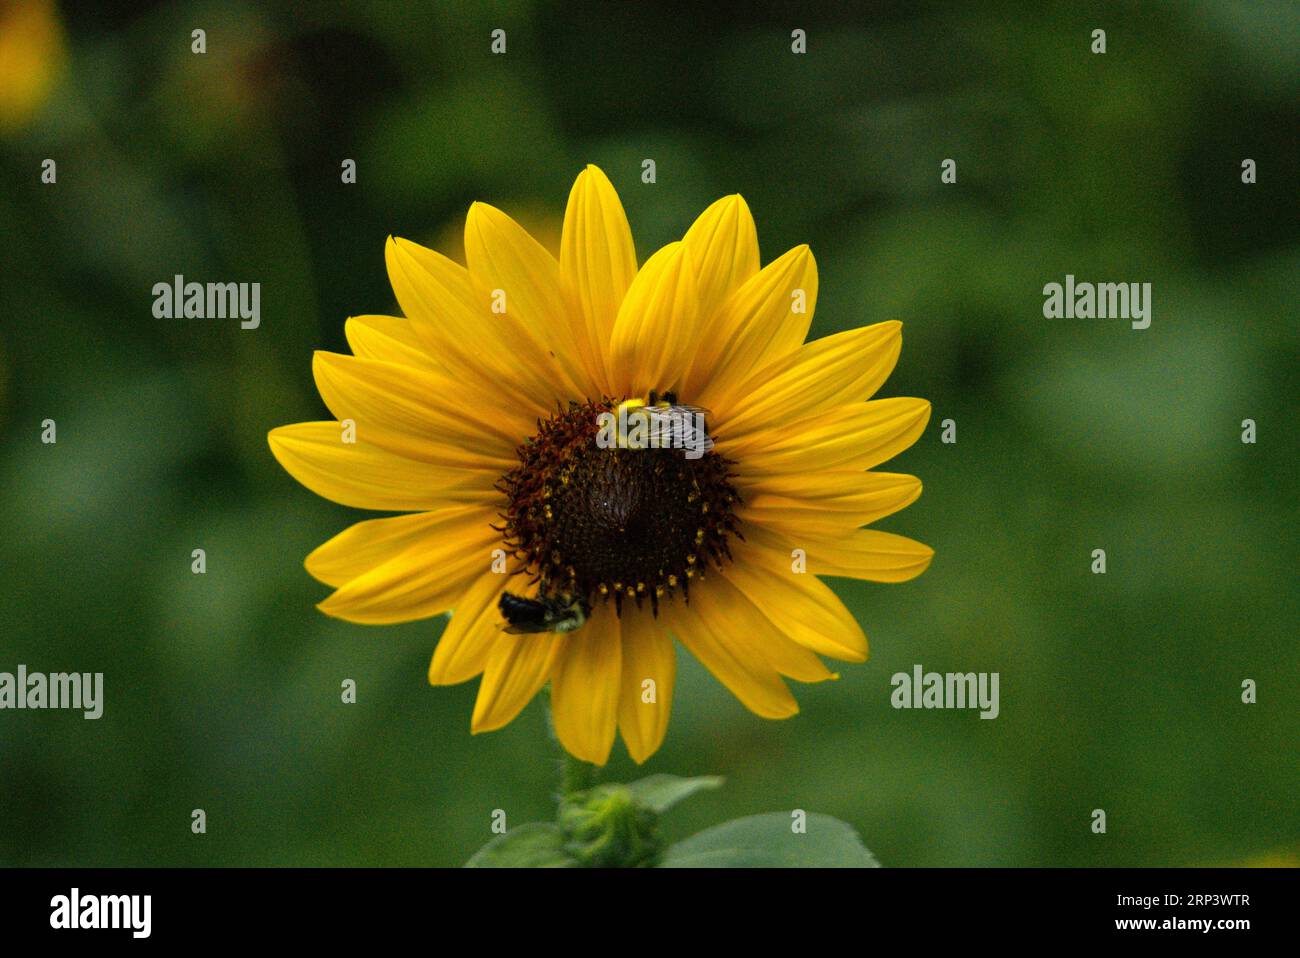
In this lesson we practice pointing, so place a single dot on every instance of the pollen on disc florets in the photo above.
(634, 525)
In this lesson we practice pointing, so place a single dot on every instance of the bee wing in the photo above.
(703, 442)
(685, 414)
(681, 420)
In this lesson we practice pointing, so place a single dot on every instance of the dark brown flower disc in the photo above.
(636, 524)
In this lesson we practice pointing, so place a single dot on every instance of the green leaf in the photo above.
(768, 841)
(661, 792)
(535, 845)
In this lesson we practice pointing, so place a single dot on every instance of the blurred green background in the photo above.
(1119, 692)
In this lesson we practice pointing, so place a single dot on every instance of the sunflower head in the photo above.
(594, 461)
(623, 523)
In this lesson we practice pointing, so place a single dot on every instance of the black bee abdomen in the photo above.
(513, 606)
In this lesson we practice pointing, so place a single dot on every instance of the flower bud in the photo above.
(606, 828)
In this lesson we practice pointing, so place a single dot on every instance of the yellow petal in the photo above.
(452, 316)
(388, 338)
(585, 686)
(764, 321)
(845, 368)
(391, 339)
(851, 437)
(365, 476)
(475, 624)
(364, 546)
(703, 628)
(858, 554)
(763, 635)
(429, 411)
(502, 257)
(828, 502)
(517, 668)
(597, 258)
(654, 335)
(649, 656)
(723, 245)
(425, 579)
(439, 299)
(806, 608)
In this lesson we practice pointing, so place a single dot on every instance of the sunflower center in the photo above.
(590, 521)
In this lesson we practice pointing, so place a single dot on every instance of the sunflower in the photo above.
(567, 560)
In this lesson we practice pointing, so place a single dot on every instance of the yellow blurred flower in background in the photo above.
(33, 52)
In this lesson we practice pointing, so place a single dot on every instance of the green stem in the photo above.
(577, 775)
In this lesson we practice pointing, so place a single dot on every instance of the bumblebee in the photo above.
(555, 614)
(672, 424)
